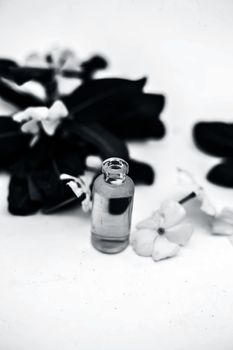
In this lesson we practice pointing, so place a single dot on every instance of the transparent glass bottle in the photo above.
(112, 198)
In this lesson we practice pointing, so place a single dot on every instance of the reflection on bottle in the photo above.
(112, 207)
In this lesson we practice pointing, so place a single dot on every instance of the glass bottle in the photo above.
(112, 198)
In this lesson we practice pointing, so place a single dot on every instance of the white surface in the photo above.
(56, 291)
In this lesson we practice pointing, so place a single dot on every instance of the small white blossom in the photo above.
(35, 118)
(61, 60)
(162, 234)
(187, 181)
(79, 187)
(222, 224)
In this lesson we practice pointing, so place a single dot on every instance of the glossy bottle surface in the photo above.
(112, 197)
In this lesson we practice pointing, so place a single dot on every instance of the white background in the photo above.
(56, 291)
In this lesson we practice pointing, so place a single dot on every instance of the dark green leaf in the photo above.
(21, 100)
(86, 98)
(21, 75)
(222, 174)
(103, 142)
(141, 173)
(5, 63)
(19, 201)
(90, 66)
(136, 127)
(14, 144)
(215, 138)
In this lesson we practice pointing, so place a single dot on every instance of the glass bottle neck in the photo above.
(115, 179)
(115, 170)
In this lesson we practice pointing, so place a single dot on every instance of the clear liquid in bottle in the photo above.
(112, 198)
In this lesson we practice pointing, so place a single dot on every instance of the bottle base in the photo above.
(109, 245)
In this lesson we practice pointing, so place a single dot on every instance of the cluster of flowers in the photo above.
(63, 116)
(161, 235)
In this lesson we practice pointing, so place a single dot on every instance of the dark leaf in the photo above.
(84, 100)
(14, 144)
(5, 63)
(46, 186)
(136, 127)
(222, 174)
(88, 69)
(98, 139)
(21, 100)
(215, 138)
(132, 116)
(21, 75)
(34, 192)
(68, 73)
(48, 159)
(8, 125)
(70, 159)
(140, 172)
(19, 201)
(46, 179)
(90, 66)
(42, 152)
(149, 104)
(51, 88)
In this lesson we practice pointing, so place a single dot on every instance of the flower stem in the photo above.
(187, 198)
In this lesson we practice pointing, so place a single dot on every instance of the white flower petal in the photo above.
(71, 63)
(152, 222)
(179, 234)
(68, 57)
(226, 214)
(87, 204)
(60, 56)
(221, 227)
(37, 113)
(65, 176)
(79, 187)
(222, 224)
(21, 116)
(142, 241)
(35, 60)
(55, 54)
(57, 111)
(206, 205)
(30, 127)
(34, 88)
(187, 181)
(172, 213)
(50, 126)
(163, 248)
(75, 188)
(93, 162)
(66, 86)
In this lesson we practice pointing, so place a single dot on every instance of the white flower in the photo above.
(35, 118)
(79, 187)
(62, 61)
(163, 232)
(59, 59)
(187, 181)
(222, 224)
